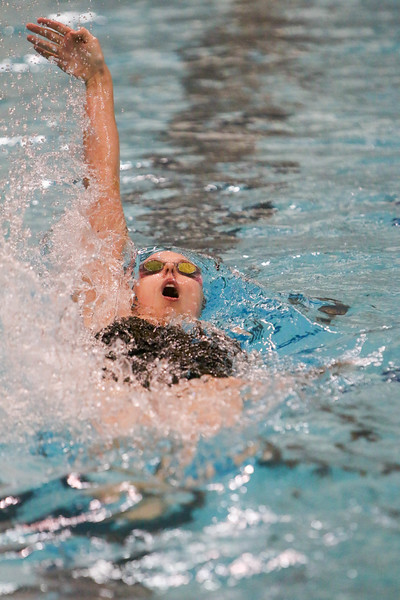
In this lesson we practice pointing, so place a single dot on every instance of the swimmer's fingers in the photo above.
(44, 32)
(56, 25)
(77, 52)
(46, 54)
(56, 31)
(43, 46)
(82, 35)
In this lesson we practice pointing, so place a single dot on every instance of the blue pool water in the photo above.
(263, 137)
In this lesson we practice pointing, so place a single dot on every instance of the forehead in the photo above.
(166, 255)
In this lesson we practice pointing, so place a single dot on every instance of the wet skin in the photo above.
(168, 295)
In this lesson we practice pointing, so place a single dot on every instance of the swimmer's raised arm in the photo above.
(79, 54)
(104, 293)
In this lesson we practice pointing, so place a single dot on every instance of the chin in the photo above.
(165, 314)
(177, 315)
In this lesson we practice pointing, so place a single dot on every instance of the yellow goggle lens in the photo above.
(154, 266)
(187, 268)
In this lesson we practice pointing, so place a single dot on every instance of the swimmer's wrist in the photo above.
(101, 75)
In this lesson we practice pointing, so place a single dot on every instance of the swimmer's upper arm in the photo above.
(193, 409)
(105, 293)
(209, 403)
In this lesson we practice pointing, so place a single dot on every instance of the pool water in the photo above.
(263, 138)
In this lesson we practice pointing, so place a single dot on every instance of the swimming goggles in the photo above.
(184, 267)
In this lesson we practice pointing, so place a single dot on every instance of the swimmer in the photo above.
(169, 285)
(169, 289)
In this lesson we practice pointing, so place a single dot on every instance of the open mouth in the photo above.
(170, 291)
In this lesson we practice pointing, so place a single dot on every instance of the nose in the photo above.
(169, 267)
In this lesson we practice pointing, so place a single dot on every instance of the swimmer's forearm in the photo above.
(101, 150)
(101, 141)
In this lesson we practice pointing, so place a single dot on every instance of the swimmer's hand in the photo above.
(75, 52)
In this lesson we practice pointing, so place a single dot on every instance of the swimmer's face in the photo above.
(168, 294)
